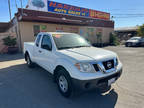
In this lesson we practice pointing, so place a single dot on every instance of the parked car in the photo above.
(73, 62)
(135, 41)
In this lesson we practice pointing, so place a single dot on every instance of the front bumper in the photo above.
(95, 83)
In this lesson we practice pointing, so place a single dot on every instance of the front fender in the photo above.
(68, 65)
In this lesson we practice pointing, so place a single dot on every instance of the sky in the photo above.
(126, 13)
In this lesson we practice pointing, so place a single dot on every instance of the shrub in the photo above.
(140, 31)
(114, 39)
(9, 41)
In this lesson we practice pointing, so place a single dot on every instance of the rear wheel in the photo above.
(28, 61)
(64, 83)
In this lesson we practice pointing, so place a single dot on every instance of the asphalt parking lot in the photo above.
(22, 87)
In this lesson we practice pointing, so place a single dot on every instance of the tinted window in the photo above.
(46, 43)
(38, 40)
(65, 41)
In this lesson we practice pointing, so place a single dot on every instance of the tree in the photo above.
(99, 39)
(140, 31)
(113, 39)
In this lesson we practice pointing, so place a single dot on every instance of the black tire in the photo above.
(28, 61)
(126, 45)
(129, 44)
(69, 90)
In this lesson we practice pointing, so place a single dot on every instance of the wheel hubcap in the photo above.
(63, 84)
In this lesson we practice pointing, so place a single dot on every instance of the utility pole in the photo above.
(21, 7)
(16, 4)
(9, 9)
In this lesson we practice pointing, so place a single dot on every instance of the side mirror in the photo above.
(47, 47)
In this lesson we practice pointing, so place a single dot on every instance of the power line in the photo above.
(129, 14)
(136, 16)
(123, 9)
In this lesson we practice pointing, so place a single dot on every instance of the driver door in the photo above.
(47, 56)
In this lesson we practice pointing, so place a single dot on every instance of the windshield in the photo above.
(66, 41)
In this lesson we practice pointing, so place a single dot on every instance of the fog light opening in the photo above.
(87, 85)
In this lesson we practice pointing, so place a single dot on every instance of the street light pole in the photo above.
(9, 9)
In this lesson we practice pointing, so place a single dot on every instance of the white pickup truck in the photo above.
(73, 62)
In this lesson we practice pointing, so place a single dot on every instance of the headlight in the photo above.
(85, 67)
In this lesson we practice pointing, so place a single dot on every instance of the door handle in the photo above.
(40, 51)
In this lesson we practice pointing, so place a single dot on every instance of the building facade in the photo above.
(28, 22)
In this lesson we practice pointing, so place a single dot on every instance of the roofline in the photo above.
(20, 9)
(55, 18)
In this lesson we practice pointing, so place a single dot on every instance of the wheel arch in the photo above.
(60, 67)
(26, 53)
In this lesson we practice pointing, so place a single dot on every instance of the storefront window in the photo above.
(43, 28)
(36, 29)
(39, 28)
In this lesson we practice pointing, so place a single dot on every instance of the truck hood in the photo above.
(89, 54)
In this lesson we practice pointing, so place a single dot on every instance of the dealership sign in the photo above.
(67, 9)
(51, 6)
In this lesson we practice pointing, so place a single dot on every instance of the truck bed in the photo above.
(29, 43)
(28, 46)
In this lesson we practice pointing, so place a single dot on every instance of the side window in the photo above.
(46, 43)
(38, 40)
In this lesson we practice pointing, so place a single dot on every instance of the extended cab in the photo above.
(73, 62)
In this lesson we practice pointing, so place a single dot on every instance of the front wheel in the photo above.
(64, 83)
(105, 89)
(129, 44)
